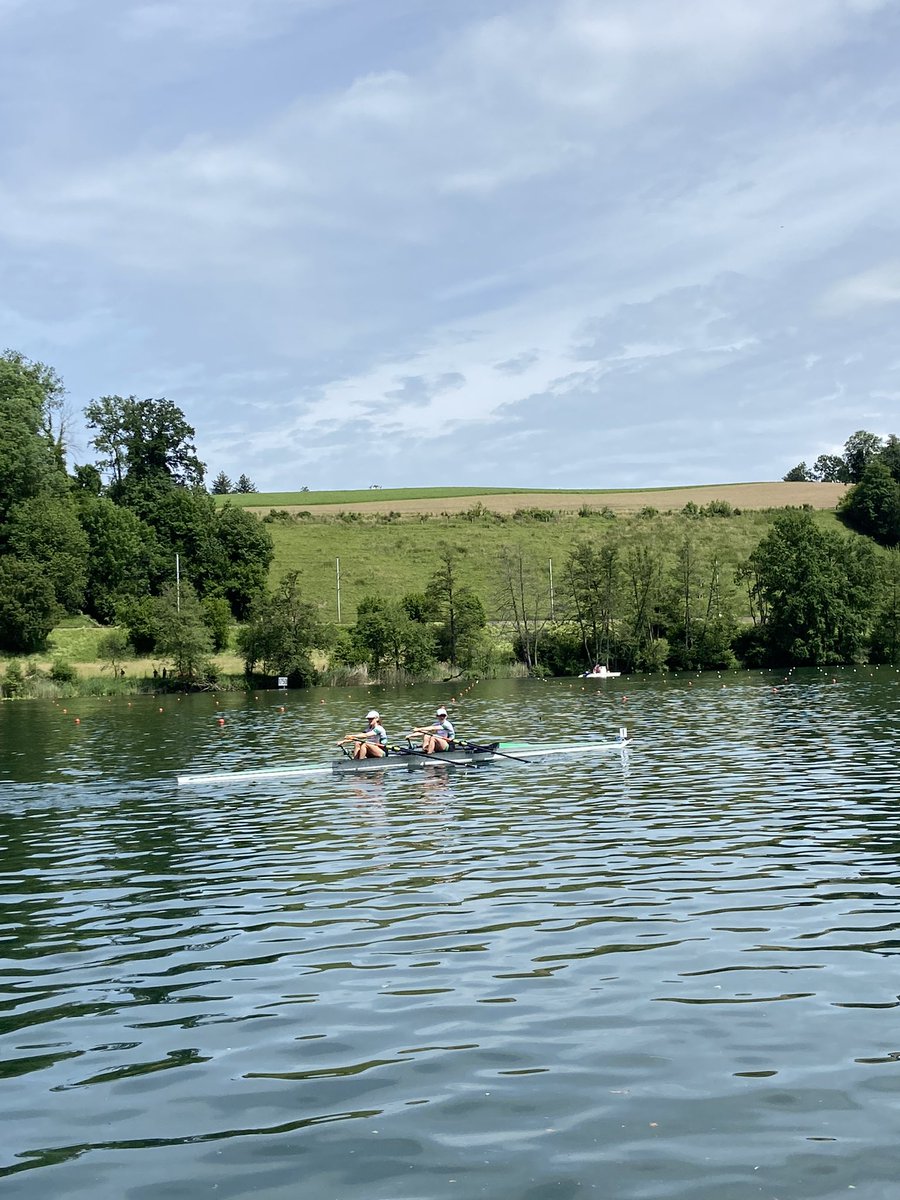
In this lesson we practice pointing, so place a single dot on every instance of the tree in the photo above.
(86, 478)
(45, 531)
(141, 440)
(461, 612)
(138, 617)
(245, 554)
(886, 632)
(216, 613)
(830, 468)
(872, 506)
(28, 606)
(799, 474)
(124, 556)
(245, 485)
(859, 450)
(593, 577)
(282, 632)
(182, 635)
(890, 456)
(819, 591)
(523, 601)
(643, 646)
(385, 634)
(30, 456)
(113, 649)
(221, 485)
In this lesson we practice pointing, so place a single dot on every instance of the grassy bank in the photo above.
(391, 556)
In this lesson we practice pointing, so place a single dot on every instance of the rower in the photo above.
(372, 743)
(440, 735)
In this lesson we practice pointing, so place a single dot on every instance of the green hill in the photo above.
(390, 556)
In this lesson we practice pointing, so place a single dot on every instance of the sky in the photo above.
(537, 243)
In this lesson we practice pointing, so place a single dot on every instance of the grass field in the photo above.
(391, 557)
(434, 501)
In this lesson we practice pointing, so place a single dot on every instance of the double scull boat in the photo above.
(465, 754)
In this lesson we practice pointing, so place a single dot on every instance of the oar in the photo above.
(514, 757)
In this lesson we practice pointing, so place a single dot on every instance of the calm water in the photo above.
(667, 973)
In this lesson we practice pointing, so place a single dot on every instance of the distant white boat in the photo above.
(601, 674)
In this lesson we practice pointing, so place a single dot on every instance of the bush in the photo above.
(216, 616)
(14, 682)
(561, 650)
(720, 508)
(534, 514)
(63, 672)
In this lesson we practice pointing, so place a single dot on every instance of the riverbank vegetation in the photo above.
(126, 573)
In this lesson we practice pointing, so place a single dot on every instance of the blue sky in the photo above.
(562, 243)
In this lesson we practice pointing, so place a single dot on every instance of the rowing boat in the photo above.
(600, 675)
(467, 754)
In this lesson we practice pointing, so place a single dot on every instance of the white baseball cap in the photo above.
(441, 712)
(371, 715)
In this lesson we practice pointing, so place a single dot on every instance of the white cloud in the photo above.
(878, 286)
(591, 203)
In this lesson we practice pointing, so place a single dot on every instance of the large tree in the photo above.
(28, 606)
(140, 440)
(41, 543)
(31, 453)
(819, 591)
(859, 450)
(46, 531)
(872, 506)
(124, 557)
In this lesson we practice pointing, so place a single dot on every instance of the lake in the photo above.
(668, 972)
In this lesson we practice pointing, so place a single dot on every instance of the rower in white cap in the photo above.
(440, 735)
(372, 743)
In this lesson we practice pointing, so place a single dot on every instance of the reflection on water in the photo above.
(662, 972)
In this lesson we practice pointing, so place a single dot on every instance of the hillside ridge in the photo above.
(435, 501)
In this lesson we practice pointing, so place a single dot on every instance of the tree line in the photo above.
(134, 540)
(872, 466)
(103, 539)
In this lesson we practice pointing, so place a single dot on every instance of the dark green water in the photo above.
(670, 973)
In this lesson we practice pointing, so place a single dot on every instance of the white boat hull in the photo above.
(453, 760)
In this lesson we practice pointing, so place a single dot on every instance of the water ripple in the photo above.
(666, 973)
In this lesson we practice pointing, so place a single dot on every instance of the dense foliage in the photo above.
(105, 540)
